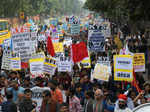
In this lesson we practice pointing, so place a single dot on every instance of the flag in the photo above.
(134, 82)
(50, 47)
(24, 65)
(79, 52)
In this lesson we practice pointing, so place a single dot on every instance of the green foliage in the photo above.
(134, 10)
(11, 8)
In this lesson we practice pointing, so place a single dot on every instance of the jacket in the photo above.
(51, 105)
(88, 106)
(26, 105)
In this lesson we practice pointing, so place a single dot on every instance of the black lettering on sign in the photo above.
(123, 75)
(48, 60)
(123, 62)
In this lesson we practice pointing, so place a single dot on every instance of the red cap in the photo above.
(122, 97)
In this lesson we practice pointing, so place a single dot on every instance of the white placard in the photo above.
(64, 64)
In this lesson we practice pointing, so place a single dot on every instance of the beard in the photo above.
(122, 106)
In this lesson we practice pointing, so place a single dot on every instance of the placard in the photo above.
(64, 64)
(123, 68)
(37, 96)
(36, 67)
(96, 41)
(49, 66)
(86, 62)
(15, 62)
(106, 29)
(101, 72)
(75, 28)
(22, 44)
(104, 60)
(6, 62)
(139, 62)
(58, 47)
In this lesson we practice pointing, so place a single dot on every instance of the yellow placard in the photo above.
(139, 62)
(123, 68)
(139, 59)
(86, 62)
(36, 60)
(58, 47)
(50, 62)
(18, 67)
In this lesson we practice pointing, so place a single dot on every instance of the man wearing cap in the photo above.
(122, 104)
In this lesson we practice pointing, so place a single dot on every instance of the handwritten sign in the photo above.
(139, 62)
(101, 72)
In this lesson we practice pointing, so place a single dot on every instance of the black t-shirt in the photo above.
(8, 106)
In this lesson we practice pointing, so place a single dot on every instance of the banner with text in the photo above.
(123, 68)
(49, 66)
(64, 64)
(96, 41)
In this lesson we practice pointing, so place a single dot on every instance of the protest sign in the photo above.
(101, 72)
(22, 44)
(104, 60)
(64, 64)
(41, 37)
(38, 55)
(15, 62)
(49, 66)
(6, 60)
(36, 66)
(106, 29)
(33, 41)
(37, 96)
(86, 62)
(139, 62)
(7, 44)
(123, 67)
(75, 28)
(58, 47)
(96, 41)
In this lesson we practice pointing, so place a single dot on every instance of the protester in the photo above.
(73, 85)
(88, 104)
(122, 104)
(9, 105)
(26, 104)
(74, 102)
(99, 103)
(17, 91)
(147, 91)
(48, 104)
(55, 91)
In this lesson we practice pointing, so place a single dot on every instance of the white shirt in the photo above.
(125, 110)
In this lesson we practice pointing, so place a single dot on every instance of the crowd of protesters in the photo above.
(76, 92)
